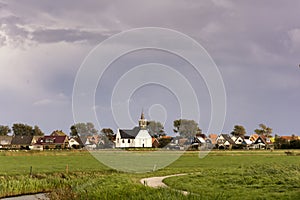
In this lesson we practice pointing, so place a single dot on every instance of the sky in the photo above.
(254, 44)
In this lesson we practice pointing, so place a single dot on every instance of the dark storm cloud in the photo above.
(256, 45)
(49, 22)
(15, 29)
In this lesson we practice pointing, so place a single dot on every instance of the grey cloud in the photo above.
(255, 43)
(67, 35)
(14, 29)
(2, 40)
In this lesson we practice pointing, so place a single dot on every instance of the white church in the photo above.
(136, 137)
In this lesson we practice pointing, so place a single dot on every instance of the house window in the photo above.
(128, 140)
(118, 140)
(123, 141)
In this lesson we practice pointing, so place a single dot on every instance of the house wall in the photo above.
(73, 142)
(126, 143)
(143, 139)
(123, 143)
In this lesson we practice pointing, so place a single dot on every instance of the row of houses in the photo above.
(138, 137)
(57, 140)
(126, 140)
(226, 141)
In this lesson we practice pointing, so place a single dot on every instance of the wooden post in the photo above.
(67, 169)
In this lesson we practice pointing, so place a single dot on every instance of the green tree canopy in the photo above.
(108, 133)
(186, 128)
(264, 130)
(4, 130)
(37, 131)
(164, 142)
(155, 128)
(238, 130)
(83, 129)
(26, 130)
(73, 132)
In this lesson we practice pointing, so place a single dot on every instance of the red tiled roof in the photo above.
(289, 137)
(166, 137)
(213, 136)
(254, 137)
(55, 139)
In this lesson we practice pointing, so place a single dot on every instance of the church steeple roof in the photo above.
(143, 121)
(142, 115)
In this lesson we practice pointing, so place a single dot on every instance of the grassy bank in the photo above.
(220, 175)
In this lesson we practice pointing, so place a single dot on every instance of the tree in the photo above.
(164, 141)
(108, 133)
(37, 131)
(83, 129)
(155, 128)
(186, 128)
(4, 130)
(22, 129)
(91, 129)
(238, 130)
(73, 132)
(26, 130)
(264, 130)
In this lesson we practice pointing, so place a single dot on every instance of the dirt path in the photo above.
(156, 182)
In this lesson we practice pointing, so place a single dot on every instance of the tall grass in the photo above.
(254, 181)
(224, 175)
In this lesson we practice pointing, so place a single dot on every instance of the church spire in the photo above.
(143, 121)
(142, 115)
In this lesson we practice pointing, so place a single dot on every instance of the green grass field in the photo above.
(220, 175)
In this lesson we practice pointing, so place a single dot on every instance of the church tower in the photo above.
(143, 121)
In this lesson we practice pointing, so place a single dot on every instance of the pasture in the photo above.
(220, 175)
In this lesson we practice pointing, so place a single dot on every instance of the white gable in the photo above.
(220, 137)
(143, 134)
(73, 142)
(248, 141)
(201, 139)
(239, 140)
(234, 138)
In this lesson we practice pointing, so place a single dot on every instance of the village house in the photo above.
(201, 142)
(213, 138)
(75, 143)
(136, 137)
(5, 142)
(53, 142)
(21, 142)
(155, 143)
(224, 141)
(242, 142)
(262, 142)
(290, 138)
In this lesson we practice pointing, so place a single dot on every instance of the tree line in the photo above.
(21, 130)
(184, 127)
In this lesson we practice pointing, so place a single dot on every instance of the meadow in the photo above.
(220, 175)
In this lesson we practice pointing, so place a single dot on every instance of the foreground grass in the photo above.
(220, 175)
(275, 181)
